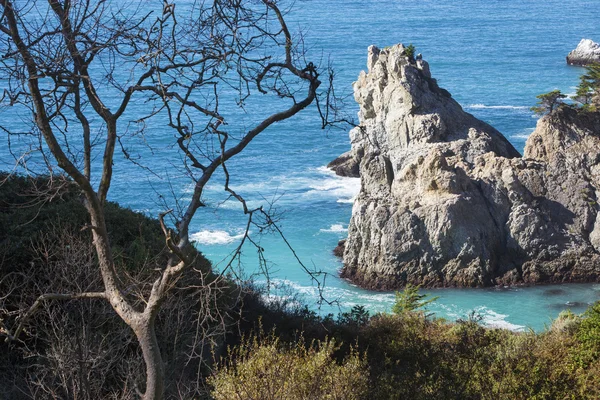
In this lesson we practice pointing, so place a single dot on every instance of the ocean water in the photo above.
(493, 56)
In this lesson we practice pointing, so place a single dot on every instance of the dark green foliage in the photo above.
(25, 213)
(80, 348)
(548, 102)
(410, 52)
(411, 356)
(588, 335)
(403, 356)
(31, 206)
(588, 91)
(358, 316)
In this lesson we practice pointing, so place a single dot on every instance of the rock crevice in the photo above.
(446, 200)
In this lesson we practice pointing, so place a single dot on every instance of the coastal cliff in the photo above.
(446, 200)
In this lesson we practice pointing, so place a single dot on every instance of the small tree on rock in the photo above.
(410, 52)
(588, 91)
(548, 102)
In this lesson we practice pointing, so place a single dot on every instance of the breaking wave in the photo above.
(335, 228)
(215, 237)
(483, 106)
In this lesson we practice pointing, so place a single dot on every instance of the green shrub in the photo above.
(410, 52)
(588, 335)
(410, 300)
(358, 316)
(267, 369)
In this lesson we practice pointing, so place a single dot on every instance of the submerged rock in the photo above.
(447, 201)
(586, 53)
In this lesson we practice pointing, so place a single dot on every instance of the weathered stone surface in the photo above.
(586, 53)
(446, 200)
(346, 165)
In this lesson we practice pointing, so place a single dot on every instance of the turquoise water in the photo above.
(493, 56)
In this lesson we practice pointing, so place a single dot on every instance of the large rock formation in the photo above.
(447, 201)
(586, 53)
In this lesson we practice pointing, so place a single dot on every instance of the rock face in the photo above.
(447, 201)
(586, 53)
(347, 164)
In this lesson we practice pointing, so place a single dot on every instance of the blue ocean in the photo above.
(494, 56)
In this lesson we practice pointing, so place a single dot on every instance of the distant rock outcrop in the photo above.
(447, 201)
(586, 53)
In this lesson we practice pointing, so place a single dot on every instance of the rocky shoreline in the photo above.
(586, 53)
(446, 201)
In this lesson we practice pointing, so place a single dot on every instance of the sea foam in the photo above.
(335, 228)
(484, 106)
(492, 319)
(215, 237)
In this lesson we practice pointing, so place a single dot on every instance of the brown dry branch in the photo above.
(78, 66)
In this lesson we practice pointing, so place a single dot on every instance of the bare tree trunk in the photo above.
(177, 70)
(155, 369)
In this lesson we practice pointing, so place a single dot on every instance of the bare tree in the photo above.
(78, 66)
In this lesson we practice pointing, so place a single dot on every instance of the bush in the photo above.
(588, 335)
(410, 52)
(266, 369)
(410, 300)
(80, 348)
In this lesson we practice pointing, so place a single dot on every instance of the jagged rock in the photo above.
(586, 53)
(446, 200)
(346, 165)
(338, 251)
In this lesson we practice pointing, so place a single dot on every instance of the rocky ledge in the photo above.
(447, 201)
(586, 53)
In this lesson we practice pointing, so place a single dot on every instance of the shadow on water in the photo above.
(554, 292)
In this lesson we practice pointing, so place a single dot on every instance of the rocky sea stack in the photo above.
(447, 201)
(586, 53)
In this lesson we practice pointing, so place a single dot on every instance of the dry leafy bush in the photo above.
(268, 369)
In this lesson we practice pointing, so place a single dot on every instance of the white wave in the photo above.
(308, 185)
(523, 135)
(213, 237)
(382, 302)
(381, 298)
(289, 301)
(572, 92)
(483, 106)
(335, 228)
(344, 189)
(310, 292)
(492, 319)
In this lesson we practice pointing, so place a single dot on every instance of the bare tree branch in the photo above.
(46, 297)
